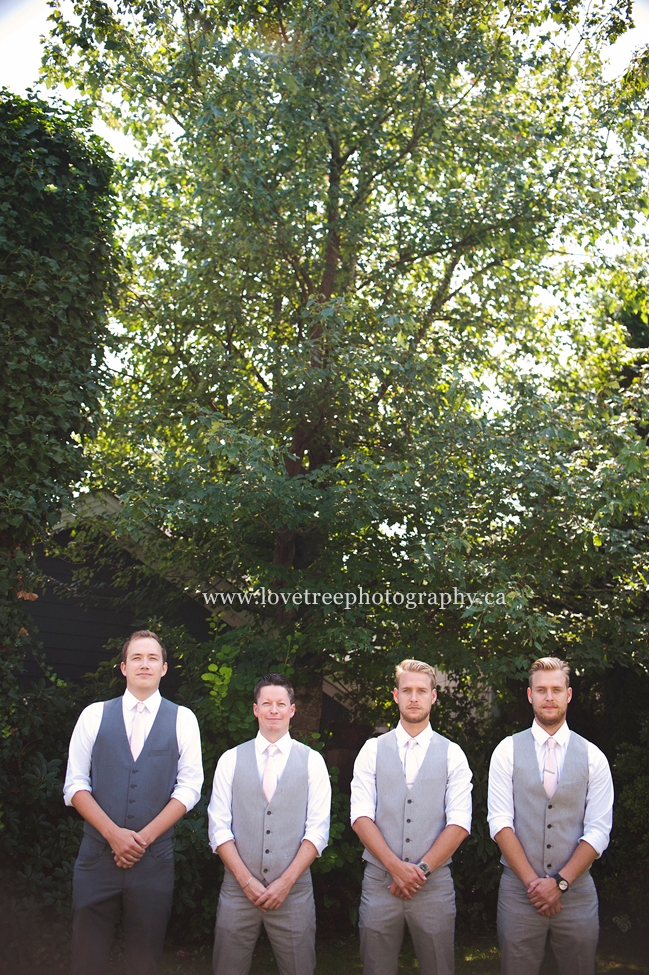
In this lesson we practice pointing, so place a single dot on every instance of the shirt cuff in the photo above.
(220, 837)
(187, 796)
(460, 819)
(598, 840)
(318, 841)
(72, 790)
(500, 822)
(361, 810)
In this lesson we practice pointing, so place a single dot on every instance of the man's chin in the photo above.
(415, 718)
(550, 721)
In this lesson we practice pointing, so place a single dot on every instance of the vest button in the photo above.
(267, 851)
(129, 817)
(408, 820)
(407, 841)
(550, 805)
(549, 825)
(267, 831)
(268, 813)
(549, 866)
(131, 801)
(548, 847)
(265, 870)
(409, 800)
(406, 860)
(133, 787)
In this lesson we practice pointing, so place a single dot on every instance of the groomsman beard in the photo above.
(416, 717)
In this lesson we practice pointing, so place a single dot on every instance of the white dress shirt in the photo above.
(457, 801)
(190, 765)
(598, 816)
(318, 809)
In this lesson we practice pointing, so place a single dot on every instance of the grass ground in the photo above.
(340, 957)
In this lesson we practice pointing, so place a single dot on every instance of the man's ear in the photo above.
(164, 668)
(122, 667)
(395, 695)
(529, 694)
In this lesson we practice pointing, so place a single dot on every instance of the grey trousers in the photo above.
(430, 917)
(522, 933)
(143, 893)
(290, 930)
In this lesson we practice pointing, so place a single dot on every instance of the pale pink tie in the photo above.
(412, 766)
(137, 731)
(550, 768)
(269, 783)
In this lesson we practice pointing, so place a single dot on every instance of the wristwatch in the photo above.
(425, 869)
(562, 884)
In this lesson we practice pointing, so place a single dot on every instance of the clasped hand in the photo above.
(407, 881)
(543, 894)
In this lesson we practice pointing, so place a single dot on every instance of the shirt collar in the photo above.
(541, 736)
(284, 743)
(130, 702)
(403, 737)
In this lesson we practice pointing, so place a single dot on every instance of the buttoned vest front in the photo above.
(410, 820)
(132, 792)
(268, 834)
(549, 829)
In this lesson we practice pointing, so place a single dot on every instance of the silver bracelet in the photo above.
(247, 882)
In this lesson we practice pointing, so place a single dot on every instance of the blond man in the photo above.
(550, 812)
(411, 807)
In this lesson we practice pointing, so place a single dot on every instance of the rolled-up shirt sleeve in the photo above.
(598, 816)
(318, 810)
(77, 775)
(458, 804)
(189, 778)
(500, 798)
(363, 794)
(219, 811)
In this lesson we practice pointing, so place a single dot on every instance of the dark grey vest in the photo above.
(410, 820)
(133, 793)
(268, 834)
(549, 829)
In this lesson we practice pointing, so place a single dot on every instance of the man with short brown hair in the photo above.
(268, 821)
(411, 807)
(134, 769)
(550, 812)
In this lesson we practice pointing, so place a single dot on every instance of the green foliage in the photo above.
(337, 370)
(58, 270)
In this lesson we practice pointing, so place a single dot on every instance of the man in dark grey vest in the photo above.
(411, 807)
(550, 812)
(134, 769)
(268, 821)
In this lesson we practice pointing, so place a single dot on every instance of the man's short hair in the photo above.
(274, 680)
(550, 663)
(416, 666)
(142, 634)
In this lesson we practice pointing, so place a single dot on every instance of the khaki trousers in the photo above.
(522, 933)
(290, 930)
(429, 916)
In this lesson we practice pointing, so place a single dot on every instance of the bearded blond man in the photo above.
(411, 808)
(550, 812)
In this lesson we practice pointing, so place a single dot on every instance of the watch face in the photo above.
(563, 884)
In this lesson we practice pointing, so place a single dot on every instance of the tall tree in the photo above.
(338, 226)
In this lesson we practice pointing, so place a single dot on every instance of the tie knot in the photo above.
(412, 743)
(552, 743)
(140, 707)
(272, 749)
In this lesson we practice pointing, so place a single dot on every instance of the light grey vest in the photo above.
(410, 820)
(268, 834)
(133, 793)
(549, 829)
